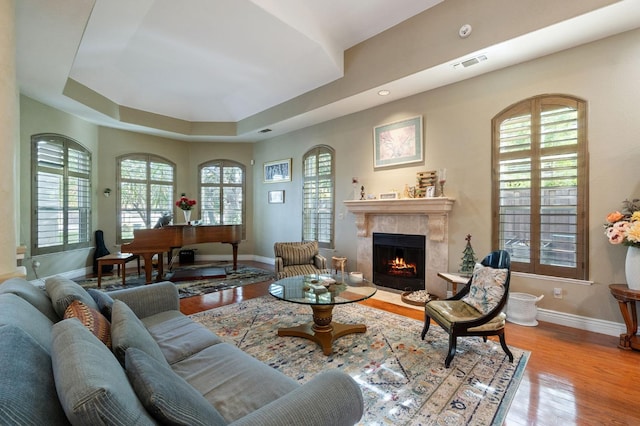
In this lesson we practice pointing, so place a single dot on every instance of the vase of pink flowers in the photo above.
(185, 204)
(623, 227)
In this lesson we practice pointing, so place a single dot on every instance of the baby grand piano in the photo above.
(149, 242)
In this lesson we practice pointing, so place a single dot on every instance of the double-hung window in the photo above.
(540, 185)
(318, 196)
(146, 185)
(222, 193)
(61, 194)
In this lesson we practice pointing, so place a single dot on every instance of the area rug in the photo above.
(242, 276)
(403, 378)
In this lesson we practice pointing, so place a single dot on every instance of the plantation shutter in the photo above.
(540, 186)
(318, 196)
(61, 194)
(222, 189)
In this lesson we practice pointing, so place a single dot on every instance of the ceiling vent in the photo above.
(264, 131)
(470, 62)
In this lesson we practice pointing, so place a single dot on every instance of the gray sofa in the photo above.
(160, 367)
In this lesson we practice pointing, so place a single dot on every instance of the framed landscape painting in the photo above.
(277, 171)
(398, 143)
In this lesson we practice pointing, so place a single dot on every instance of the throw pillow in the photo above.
(487, 288)
(92, 386)
(127, 331)
(37, 296)
(63, 291)
(27, 389)
(95, 322)
(298, 254)
(167, 396)
(18, 312)
(103, 300)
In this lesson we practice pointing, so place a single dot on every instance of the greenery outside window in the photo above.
(146, 185)
(222, 193)
(318, 201)
(540, 185)
(61, 194)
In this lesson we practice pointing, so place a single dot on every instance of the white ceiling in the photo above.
(226, 60)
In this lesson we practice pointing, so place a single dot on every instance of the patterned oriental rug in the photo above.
(403, 378)
(193, 287)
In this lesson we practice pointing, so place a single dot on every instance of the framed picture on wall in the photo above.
(398, 143)
(277, 171)
(276, 197)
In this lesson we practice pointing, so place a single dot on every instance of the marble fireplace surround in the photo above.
(416, 216)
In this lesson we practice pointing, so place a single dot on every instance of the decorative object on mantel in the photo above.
(442, 178)
(354, 182)
(389, 195)
(424, 181)
(362, 192)
(623, 227)
(398, 143)
(468, 259)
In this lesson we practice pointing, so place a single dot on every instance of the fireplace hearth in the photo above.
(399, 261)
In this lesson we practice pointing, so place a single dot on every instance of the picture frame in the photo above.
(277, 171)
(276, 197)
(398, 143)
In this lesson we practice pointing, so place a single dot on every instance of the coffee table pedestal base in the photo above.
(322, 329)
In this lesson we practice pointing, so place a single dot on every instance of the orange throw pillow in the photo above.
(92, 319)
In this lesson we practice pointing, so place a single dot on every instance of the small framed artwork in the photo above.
(277, 171)
(398, 143)
(276, 197)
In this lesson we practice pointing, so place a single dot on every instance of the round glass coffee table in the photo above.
(322, 292)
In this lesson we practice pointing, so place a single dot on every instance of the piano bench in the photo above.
(117, 259)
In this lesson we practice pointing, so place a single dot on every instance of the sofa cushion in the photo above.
(92, 386)
(127, 331)
(30, 374)
(296, 253)
(487, 288)
(16, 311)
(167, 396)
(32, 294)
(63, 291)
(223, 370)
(95, 322)
(103, 300)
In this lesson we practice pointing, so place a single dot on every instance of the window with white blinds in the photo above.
(61, 194)
(540, 185)
(146, 188)
(318, 196)
(222, 189)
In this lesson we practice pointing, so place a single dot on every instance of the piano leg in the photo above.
(148, 266)
(235, 255)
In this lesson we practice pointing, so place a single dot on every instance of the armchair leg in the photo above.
(505, 348)
(452, 350)
(427, 323)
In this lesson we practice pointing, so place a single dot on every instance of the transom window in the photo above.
(222, 193)
(61, 194)
(540, 185)
(318, 196)
(146, 185)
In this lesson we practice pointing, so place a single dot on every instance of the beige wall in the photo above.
(458, 136)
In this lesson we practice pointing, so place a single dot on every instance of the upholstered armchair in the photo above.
(476, 310)
(298, 258)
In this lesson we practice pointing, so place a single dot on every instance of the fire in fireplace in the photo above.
(399, 261)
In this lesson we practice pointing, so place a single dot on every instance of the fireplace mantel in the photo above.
(437, 210)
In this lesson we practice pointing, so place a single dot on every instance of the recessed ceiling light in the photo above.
(384, 92)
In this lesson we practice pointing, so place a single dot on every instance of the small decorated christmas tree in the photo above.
(468, 259)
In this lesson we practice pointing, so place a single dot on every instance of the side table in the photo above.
(454, 279)
(627, 301)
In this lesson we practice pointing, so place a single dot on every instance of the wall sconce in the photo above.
(107, 192)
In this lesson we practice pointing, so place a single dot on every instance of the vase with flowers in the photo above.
(185, 204)
(623, 227)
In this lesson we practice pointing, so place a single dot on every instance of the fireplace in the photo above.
(399, 261)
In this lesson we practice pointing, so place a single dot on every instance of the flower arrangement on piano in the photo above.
(184, 203)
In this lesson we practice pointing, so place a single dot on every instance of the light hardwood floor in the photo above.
(573, 377)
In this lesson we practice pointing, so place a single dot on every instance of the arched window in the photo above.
(61, 194)
(222, 193)
(318, 202)
(540, 185)
(146, 185)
